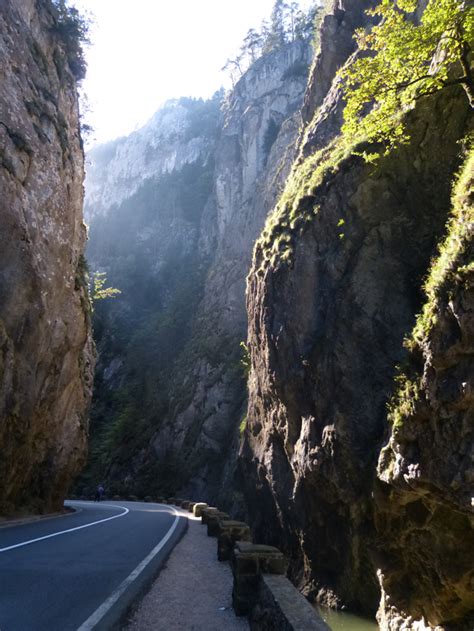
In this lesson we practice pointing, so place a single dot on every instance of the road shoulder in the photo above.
(193, 591)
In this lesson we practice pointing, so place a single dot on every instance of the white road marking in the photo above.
(63, 532)
(114, 597)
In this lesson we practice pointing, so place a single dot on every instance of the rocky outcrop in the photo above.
(174, 211)
(423, 503)
(322, 109)
(334, 288)
(46, 355)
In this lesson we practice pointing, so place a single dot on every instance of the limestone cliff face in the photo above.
(334, 288)
(255, 150)
(46, 356)
(174, 211)
(175, 136)
(146, 196)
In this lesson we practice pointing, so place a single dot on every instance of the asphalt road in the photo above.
(70, 573)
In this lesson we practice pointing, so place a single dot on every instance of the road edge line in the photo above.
(34, 519)
(101, 611)
(63, 532)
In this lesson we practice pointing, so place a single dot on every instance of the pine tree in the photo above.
(277, 32)
(293, 10)
(252, 46)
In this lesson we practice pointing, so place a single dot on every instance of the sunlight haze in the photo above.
(146, 52)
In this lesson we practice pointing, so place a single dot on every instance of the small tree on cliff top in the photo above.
(404, 61)
(73, 29)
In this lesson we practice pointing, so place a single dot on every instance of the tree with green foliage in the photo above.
(288, 23)
(293, 10)
(234, 68)
(306, 22)
(252, 44)
(403, 59)
(98, 289)
(277, 31)
(73, 29)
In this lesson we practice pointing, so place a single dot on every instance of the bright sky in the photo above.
(145, 52)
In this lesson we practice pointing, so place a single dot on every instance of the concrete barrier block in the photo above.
(279, 605)
(229, 533)
(207, 512)
(198, 508)
(185, 504)
(191, 506)
(248, 562)
(213, 523)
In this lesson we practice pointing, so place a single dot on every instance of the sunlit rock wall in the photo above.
(46, 357)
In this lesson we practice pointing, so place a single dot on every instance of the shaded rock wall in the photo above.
(334, 288)
(426, 471)
(46, 356)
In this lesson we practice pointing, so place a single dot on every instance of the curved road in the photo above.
(83, 570)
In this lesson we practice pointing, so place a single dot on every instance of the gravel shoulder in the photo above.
(193, 591)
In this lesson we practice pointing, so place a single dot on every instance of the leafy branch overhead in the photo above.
(403, 59)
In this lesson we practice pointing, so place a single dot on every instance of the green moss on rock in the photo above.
(452, 264)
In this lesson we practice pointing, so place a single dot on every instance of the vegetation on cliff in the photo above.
(401, 60)
(72, 27)
(288, 23)
(143, 331)
(451, 268)
(335, 286)
(423, 499)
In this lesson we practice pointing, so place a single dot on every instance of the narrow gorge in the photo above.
(293, 336)
(174, 211)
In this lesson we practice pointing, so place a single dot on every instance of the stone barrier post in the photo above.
(198, 508)
(229, 533)
(213, 523)
(249, 561)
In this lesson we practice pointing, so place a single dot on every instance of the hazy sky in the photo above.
(144, 52)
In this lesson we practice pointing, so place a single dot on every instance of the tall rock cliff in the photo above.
(46, 356)
(145, 200)
(174, 210)
(426, 471)
(335, 286)
(253, 156)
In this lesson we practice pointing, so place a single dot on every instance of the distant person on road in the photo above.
(99, 493)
